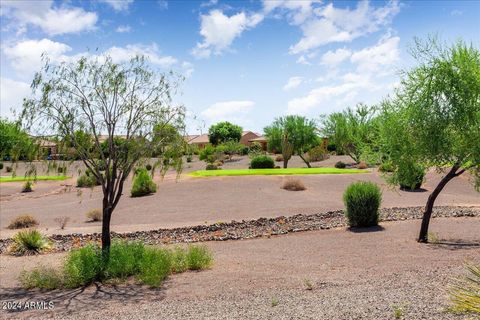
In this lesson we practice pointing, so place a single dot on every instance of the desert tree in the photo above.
(224, 131)
(353, 131)
(118, 104)
(292, 134)
(434, 117)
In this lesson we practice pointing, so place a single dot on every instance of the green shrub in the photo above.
(318, 153)
(409, 175)
(386, 167)
(148, 167)
(362, 201)
(155, 266)
(87, 181)
(465, 293)
(27, 186)
(1, 165)
(41, 277)
(340, 165)
(61, 169)
(211, 166)
(29, 241)
(123, 261)
(262, 162)
(82, 266)
(331, 147)
(143, 184)
(189, 158)
(179, 260)
(207, 154)
(23, 221)
(198, 257)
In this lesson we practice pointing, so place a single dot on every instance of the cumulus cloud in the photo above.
(219, 31)
(151, 52)
(12, 93)
(234, 111)
(296, 11)
(293, 83)
(371, 65)
(333, 58)
(52, 20)
(118, 5)
(330, 24)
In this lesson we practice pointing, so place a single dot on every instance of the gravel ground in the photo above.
(237, 230)
(354, 275)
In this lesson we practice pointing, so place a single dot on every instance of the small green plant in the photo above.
(408, 175)
(82, 266)
(340, 165)
(143, 184)
(362, 201)
(189, 158)
(432, 237)
(123, 260)
(154, 266)
(318, 153)
(94, 215)
(386, 167)
(27, 186)
(274, 302)
(41, 277)
(262, 162)
(208, 154)
(465, 293)
(23, 221)
(28, 242)
(308, 284)
(87, 181)
(397, 311)
(198, 257)
(211, 166)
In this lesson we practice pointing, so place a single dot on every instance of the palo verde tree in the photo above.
(353, 131)
(108, 101)
(223, 132)
(292, 135)
(434, 117)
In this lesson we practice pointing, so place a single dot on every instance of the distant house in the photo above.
(47, 148)
(262, 140)
(202, 139)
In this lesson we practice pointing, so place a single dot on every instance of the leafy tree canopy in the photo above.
(223, 132)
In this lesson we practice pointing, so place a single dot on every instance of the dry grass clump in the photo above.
(362, 165)
(62, 221)
(94, 215)
(293, 184)
(23, 221)
(279, 158)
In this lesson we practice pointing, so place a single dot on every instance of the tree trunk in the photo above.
(305, 160)
(107, 214)
(423, 236)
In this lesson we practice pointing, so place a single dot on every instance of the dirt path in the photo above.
(362, 275)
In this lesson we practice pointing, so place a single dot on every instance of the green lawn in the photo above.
(37, 178)
(269, 172)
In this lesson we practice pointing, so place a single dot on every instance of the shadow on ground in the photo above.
(455, 244)
(90, 298)
(364, 230)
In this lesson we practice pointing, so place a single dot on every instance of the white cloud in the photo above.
(293, 83)
(333, 58)
(25, 56)
(187, 69)
(456, 12)
(151, 52)
(219, 31)
(234, 111)
(368, 80)
(118, 5)
(123, 29)
(372, 59)
(332, 24)
(297, 11)
(52, 20)
(11, 96)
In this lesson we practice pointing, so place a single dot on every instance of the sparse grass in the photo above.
(62, 221)
(397, 311)
(149, 265)
(432, 237)
(23, 221)
(274, 302)
(293, 184)
(94, 215)
(465, 293)
(37, 178)
(30, 241)
(266, 172)
(308, 284)
(27, 186)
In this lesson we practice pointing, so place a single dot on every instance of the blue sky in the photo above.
(244, 61)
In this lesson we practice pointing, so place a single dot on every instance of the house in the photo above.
(201, 140)
(262, 140)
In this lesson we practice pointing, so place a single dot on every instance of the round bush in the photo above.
(143, 184)
(1, 165)
(148, 167)
(87, 180)
(262, 162)
(362, 200)
(278, 158)
(386, 167)
(211, 166)
(340, 165)
(410, 176)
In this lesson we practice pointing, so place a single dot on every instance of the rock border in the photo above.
(249, 229)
